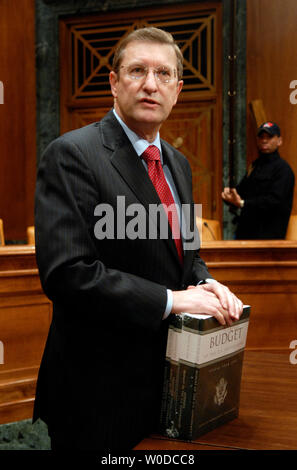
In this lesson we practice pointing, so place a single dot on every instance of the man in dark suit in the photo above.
(100, 380)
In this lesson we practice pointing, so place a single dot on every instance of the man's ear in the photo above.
(113, 80)
(179, 88)
(280, 141)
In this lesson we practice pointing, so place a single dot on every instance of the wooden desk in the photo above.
(262, 274)
(268, 410)
(25, 315)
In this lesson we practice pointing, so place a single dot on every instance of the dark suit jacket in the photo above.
(101, 374)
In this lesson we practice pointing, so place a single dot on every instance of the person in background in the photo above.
(264, 197)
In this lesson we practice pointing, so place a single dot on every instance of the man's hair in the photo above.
(150, 34)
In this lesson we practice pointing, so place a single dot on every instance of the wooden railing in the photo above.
(263, 274)
(25, 315)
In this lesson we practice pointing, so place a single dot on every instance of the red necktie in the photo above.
(152, 157)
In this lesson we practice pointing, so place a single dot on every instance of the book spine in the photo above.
(187, 382)
(165, 395)
(187, 390)
(166, 382)
(171, 373)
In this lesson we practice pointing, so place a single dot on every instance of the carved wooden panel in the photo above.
(93, 45)
(189, 129)
(83, 117)
(87, 47)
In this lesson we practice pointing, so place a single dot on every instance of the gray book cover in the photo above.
(207, 374)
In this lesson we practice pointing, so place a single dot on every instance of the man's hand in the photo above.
(231, 196)
(209, 299)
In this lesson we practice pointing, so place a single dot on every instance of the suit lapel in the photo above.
(127, 162)
(130, 167)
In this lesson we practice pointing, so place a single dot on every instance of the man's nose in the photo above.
(150, 81)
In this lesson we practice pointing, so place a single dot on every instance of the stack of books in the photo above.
(202, 374)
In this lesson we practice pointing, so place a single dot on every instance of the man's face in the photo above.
(145, 103)
(268, 143)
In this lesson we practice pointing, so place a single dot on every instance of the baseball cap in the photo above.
(269, 127)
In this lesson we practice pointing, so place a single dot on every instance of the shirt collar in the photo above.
(139, 144)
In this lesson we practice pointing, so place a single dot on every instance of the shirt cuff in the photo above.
(170, 298)
(206, 281)
(169, 304)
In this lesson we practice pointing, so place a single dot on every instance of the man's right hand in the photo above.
(209, 299)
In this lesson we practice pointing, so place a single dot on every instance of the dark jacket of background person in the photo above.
(268, 196)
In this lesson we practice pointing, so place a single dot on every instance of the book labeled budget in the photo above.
(202, 374)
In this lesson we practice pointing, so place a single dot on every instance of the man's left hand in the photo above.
(228, 300)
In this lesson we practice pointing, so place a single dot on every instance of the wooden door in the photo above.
(194, 127)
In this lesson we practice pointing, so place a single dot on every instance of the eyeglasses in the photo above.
(139, 72)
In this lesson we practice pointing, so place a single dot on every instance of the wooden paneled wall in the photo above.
(271, 66)
(25, 315)
(17, 116)
(262, 274)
